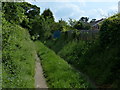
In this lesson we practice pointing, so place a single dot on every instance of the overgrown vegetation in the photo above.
(18, 57)
(58, 73)
(100, 59)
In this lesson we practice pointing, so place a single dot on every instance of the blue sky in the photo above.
(76, 10)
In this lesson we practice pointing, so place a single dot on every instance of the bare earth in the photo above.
(39, 77)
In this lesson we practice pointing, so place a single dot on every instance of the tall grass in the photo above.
(58, 73)
(17, 57)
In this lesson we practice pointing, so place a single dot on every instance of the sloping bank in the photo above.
(58, 73)
(18, 57)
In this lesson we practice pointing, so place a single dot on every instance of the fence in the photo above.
(88, 34)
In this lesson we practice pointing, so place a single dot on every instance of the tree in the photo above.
(84, 19)
(72, 22)
(20, 13)
(13, 12)
(78, 25)
(31, 11)
(47, 14)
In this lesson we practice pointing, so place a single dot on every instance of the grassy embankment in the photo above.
(58, 73)
(18, 59)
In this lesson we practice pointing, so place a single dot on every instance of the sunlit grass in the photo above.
(18, 57)
(58, 73)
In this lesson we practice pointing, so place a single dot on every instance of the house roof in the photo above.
(98, 21)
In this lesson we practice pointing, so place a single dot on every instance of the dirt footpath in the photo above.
(39, 77)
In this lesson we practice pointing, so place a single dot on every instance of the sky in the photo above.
(75, 9)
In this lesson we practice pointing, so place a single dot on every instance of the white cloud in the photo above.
(114, 8)
(103, 13)
(69, 10)
(77, 10)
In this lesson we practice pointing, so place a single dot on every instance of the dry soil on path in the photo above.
(39, 77)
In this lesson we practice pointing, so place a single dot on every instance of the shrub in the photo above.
(110, 31)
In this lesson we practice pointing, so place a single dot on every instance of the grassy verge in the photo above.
(17, 57)
(58, 73)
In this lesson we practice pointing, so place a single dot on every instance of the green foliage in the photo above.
(18, 59)
(99, 60)
(41, 28)
(73, 51)
(110, 31)
(55, 26)
(47, 14)
(37, 25)
(59, 43)
(11, 9)
(20, 13)
(72, 22)
(58, 73)
(80, 25)
(30, 10)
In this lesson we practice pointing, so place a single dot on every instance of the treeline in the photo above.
(42, 26)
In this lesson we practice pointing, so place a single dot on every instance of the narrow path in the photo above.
(39, 77)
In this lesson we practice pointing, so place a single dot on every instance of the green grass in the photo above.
(58, 73)
(18, 59)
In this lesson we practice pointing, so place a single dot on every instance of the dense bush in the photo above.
(18, 59)
(110, 31)
(73, 51)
